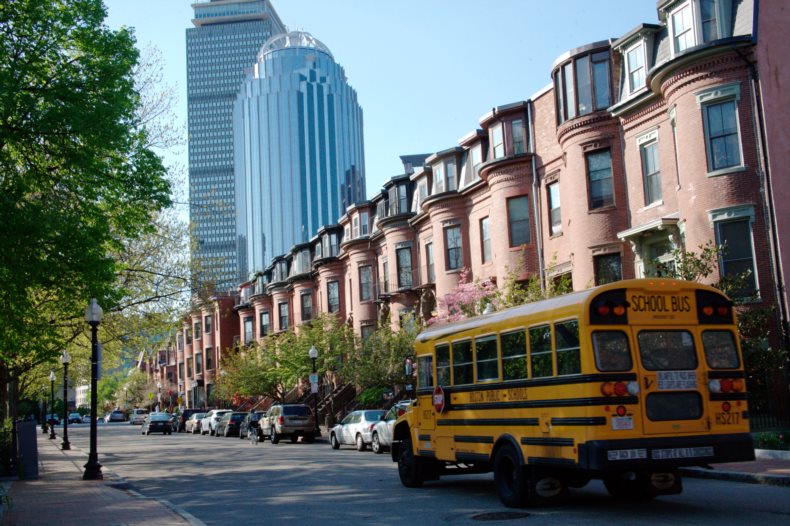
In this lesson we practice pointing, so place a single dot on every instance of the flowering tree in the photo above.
(469, 298)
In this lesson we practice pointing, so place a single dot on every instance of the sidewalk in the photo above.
(61, 497)
(770, 467)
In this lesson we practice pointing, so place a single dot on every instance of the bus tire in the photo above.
(410, 468)
(510, 478)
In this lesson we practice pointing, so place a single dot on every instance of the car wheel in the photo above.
(309, 438)
(333, 441)
(227, 434)
(376, 444)
(148, 432)
(361, 446)
(294, 438)
(275, 437)
(211, 431)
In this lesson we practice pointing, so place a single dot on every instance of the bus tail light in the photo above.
(727, 385)
(713, 308)
(619, 388)
(620, 410)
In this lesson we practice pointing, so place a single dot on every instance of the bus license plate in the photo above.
(626, 454)
(681, 452)
(620, 423)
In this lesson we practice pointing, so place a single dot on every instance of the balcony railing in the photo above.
(403, 280)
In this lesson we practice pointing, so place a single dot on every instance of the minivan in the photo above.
(137, 416)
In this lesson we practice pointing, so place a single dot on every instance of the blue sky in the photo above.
(425, 71)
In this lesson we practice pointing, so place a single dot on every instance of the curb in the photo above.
(751, 478)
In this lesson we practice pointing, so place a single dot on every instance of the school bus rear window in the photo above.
(611, 351)
(667, 350)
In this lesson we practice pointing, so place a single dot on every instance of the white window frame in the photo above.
(693, 10)
(497, 148)
(628, 72)
(642, 142)
(438, 177)
(364, 223)
(713, 96)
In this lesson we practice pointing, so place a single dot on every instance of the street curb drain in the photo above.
(500, 516)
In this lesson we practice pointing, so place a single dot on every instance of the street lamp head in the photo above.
(93, 312)
(52, 376)
(65, 358)
(313, 352)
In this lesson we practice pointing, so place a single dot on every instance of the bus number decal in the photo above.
(726, 418)
(660, 303)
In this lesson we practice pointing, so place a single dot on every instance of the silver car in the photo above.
(381, 438)
(210, 421)
(355, 429)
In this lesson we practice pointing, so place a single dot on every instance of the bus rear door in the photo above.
(671, 380)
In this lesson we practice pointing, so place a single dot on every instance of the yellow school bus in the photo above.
(624, 382)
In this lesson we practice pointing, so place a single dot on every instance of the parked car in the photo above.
(229, 424)
(381, 436)
(86, 419)
(193, 423)
(288, 420)
(115, 416)
(75, 418)
(137, 416)
(209, 423)
(185, 415)
(355, 429)
(157, 423)
(251, 424)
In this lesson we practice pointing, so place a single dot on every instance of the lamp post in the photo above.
(313, 354)
(52, 405)
(158, 395)
(93, 316)
(44, 410)
(65, 359)
(126, 398)
(181, 393)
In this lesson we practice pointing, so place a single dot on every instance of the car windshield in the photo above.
(198, 416)
(295, 410)
(159, 417)
(238, 417)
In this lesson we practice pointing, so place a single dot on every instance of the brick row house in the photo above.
(638, 146)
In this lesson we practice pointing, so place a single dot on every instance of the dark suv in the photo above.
(288, 420)
(184, 416)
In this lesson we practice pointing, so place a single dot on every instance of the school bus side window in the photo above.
(566, 342)
(487, 358)
(463, 366)
(425, 371)
(611, 351)
(443, 364)
(514, 355)
(720, 349)
(540, 351)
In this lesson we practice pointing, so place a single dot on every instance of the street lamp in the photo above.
(158, 395)
(65, 359)
(181, 392)
(44, 410)
(313, 354)
(126, 398)
(93, 314)
(52, 405)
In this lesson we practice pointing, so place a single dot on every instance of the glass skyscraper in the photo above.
(225, 39)
(297, 130)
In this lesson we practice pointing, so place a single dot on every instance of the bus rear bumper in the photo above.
(665, 452)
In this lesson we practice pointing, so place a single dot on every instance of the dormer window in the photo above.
(519, 142)
(709, 19)
(581, 86)
(635, 63)
(497, 141)
(682, 30)
(363, 224)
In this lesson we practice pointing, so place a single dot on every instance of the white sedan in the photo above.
(355, 429)
(381, 437)
(209, 423)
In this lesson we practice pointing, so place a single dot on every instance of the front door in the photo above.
(671, 380)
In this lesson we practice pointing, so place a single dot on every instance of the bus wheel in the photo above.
(410, 469)
(510, 478)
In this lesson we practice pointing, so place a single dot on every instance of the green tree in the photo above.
(77, 175)
(378, 362)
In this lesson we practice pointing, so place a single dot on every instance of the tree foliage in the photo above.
(77, 178)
